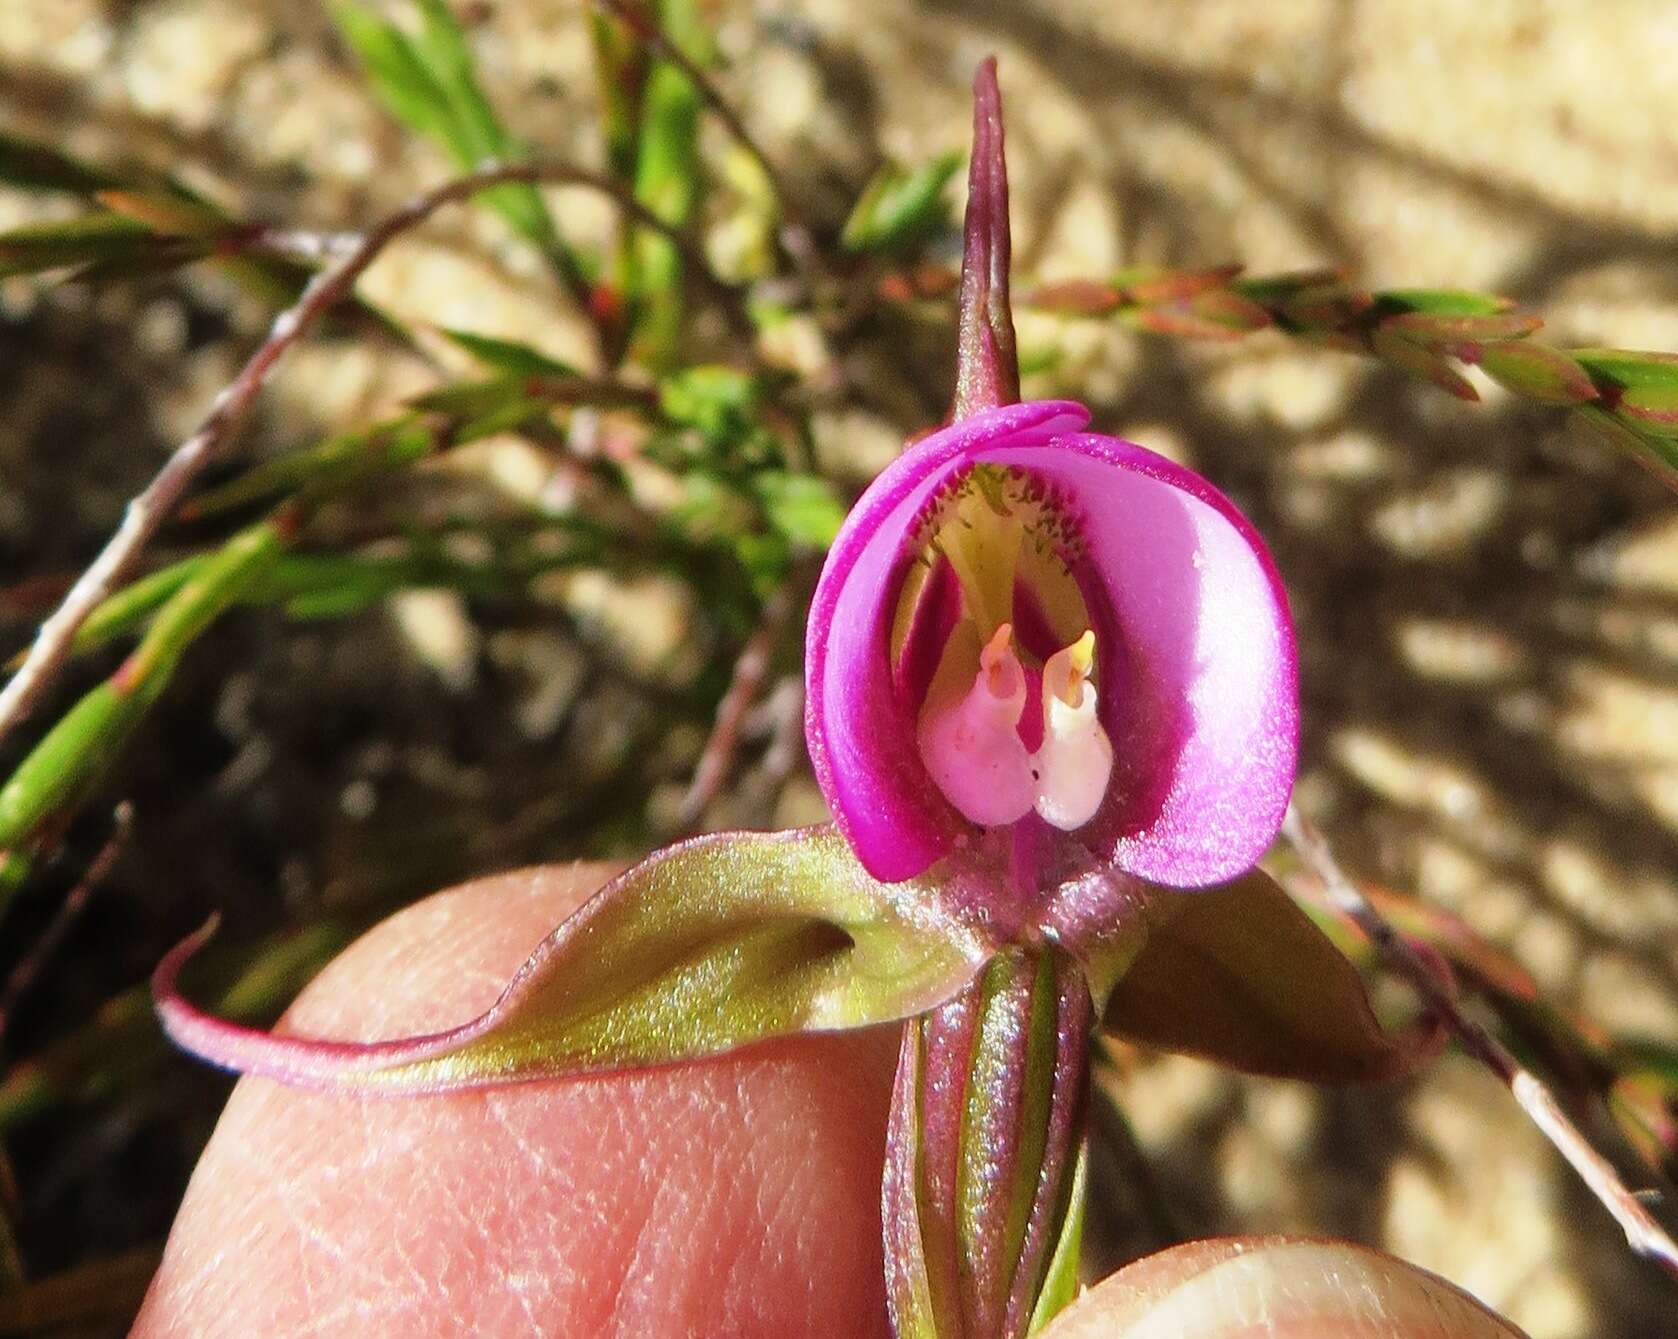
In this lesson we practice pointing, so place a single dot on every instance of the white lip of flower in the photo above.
(1076, 760)
(972, 746)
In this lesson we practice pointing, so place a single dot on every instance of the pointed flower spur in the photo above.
(1051, 679)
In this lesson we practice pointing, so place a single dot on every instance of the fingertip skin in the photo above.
(1278, 1287)
(737, 1196)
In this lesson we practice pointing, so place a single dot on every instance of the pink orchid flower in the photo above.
(1036, 648)
(1063, 636)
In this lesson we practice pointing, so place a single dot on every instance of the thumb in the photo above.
(1280, 1287)
(735, 1196)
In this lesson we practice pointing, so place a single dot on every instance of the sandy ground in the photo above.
(1488, 605)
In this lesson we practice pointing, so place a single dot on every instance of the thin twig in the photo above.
(780, 718)
(1645, 1236)
(151, 507)
(27, 972)
(305, 244)
(716, 760)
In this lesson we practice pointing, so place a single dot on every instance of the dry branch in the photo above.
(148, 510)
(1645, 1236)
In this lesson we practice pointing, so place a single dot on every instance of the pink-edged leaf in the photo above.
(1178, 319)
(1428, 328)
(705, 946)
(166, 212)
(1331, 307)
(1076, 297)
(1280, 1287)
(1644, 1104)
(1226, 307)
(1404, 353)
(1538, 372)
(1148, 284)
(1240, 975)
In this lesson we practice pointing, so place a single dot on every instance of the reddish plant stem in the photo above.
(1646, 1237)
(148, 510)
(751, 670)
(27, 972)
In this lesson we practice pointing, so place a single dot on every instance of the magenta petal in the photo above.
(861, 733)
(1200, 684)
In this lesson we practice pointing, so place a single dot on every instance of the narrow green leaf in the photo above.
(1149, 283)
(133, 604)
(498, 397)
(475, 130)
(1178, 319)
(1075, 297)
(1240, 975)
(78, 241)
(1225, 307)
(509, 402)
(210, 590)
(164, 256)
(336, 463)
(37, 166)
(1440, 302)
(900, 207)
(66, 760)
(620, 59)
(1060, 1283)
(398, 74)
(704, 947)
(86, 739)
(1538, 372)
(1629, 370)
(442, 45)
(667, 183)
(505, 355)
(429, 85)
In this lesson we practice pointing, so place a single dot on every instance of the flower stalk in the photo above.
(986, 1134)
